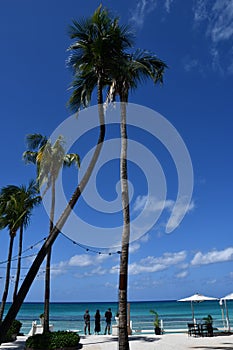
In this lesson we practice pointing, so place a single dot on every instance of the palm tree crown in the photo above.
(99, 41)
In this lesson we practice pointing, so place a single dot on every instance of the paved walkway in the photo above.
(19, 344)
(147, 342)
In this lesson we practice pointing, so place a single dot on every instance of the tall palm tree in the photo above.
(131, 70)
(16, 204)
(98, 39)
(49, 160)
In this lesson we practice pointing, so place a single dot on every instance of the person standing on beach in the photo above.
(87, 322)
(108, 317)
(97, 322)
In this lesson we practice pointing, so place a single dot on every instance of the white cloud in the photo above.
(81, 260)
(200, 10)
(181, 208)
(111, 285)
(221, 24)
(216, 17)
(230, 68)
(182, 274)
(219, 17)
(213, 257)
(143, 8)
(191, 64)
(134, 247)
(151, 204)
(168, 5)
(154, 264)
(145, 238)
(97, 271)
(212, 281)
(216, 60)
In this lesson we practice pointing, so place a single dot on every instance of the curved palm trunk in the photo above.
(14, 308)
(48, 263)
(7, 280)
(19, 261)
(123, 278)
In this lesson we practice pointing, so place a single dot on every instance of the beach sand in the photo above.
(147, 342)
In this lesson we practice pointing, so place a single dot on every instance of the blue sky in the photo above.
(195, 39)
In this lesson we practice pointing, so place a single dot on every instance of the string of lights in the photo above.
(101, 251)
(91, 249)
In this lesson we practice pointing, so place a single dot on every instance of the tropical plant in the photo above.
(209, 325)
(208, 319)
(49, 160)
(13, 331)
(16, 204)
(53, 340)
(156, 322)
(100, 33)
(131, 70)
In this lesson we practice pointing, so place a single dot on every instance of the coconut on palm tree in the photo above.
(97, 40)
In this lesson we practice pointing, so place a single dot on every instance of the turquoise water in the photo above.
(175, 315)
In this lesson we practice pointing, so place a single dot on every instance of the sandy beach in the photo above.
(147, 342)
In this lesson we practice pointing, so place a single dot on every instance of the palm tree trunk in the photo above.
(7, 280)
(48, 262)
(19, 261)
(14, 308)
(123, 278)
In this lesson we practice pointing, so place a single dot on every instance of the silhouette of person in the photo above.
(97, 322)
(87, 322)
(108, 317)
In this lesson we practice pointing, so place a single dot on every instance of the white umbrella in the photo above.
(196, 298)
(227, 297)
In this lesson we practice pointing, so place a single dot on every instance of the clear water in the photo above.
(175, 315)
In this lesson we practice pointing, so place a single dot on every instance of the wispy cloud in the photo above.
(200, 10)
(145, 7)
(152, 206)
(168, 5)
(154, 264)
(219, 17)
(221, 21)
(212, 257)
(181, 207)
(182, 274)
(190, 64)
(81, 261)
(217, 20)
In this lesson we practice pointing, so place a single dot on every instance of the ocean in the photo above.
(174, 315)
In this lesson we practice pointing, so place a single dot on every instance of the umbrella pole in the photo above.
(227, 316)
(194, 321)
(222, 311)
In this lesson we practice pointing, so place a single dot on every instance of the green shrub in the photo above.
(13, 331)
(53, 340)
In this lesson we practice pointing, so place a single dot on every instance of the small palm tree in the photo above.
(26, 198)
(49, 160)
(16, 204)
